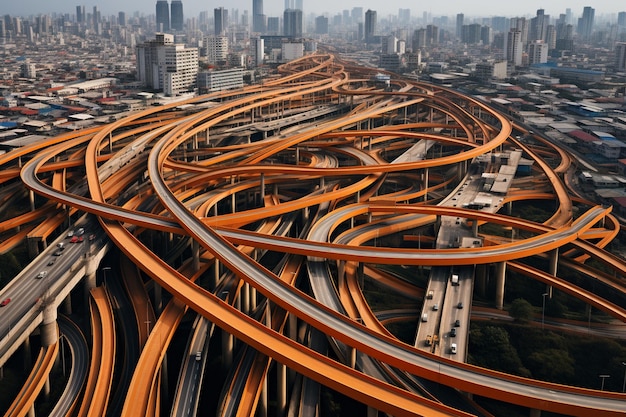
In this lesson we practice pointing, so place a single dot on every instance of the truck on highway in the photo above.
(454, 279)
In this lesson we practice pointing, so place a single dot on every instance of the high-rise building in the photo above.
(216, 49)
(80, 14)
(321, 25)
(299, 4)
(258, 18)
(121, 19)
(432, 35)
(537, 52)
(404, 16)
(357, 15)
(620, 56)
(370, 25)
(164, 65)
(292, 23)
(257, 51)
(539, 26)
(273, 26)
(220, 19)
(585, 23)
(514, 47)
(176, 10)
(162, 16)
(460, 18)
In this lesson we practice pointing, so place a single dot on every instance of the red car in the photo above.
(5, 302)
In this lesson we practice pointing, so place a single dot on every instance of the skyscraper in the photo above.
(258, 18)
(460, 19)
(585, 23)
(80, 14)
(292, 23)
(370, 25)
(177, 15)
(220, 17)
(162, 16)
(620, 56)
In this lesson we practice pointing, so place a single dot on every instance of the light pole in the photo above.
(543, 308)
(624, 383)
(603, 377)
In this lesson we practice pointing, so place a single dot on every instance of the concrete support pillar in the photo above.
(207, 135)
(67, 305)
(372, 412)
(360, 275)
(322, 182)
(262, 188)
(195, 253)
(509, 208)
(480, 282)
(253, 297)
(31, 411)
(352, 357)
(425, 185)
(262, 407)
(233, 201)
(216, 273)
(437, 224)
(48, 328)
(281, 388)
(46, 388)
(227, 349)
(500, 281)
(554, 261)
(164, 380)
(27, 353)
(534, 413)
(245, 298)
(475, 228)
(297, 155)
(341, 273)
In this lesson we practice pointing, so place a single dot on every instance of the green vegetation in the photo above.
(521, 310)
(551, 356)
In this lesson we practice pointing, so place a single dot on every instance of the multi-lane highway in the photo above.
(321, 167)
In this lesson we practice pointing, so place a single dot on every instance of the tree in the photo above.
(521, 310)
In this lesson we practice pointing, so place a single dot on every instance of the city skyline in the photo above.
(276, 7)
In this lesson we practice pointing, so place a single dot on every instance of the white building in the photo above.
(257, 51)
(537, 52)
(166, 66)
(216, 80)
(292, 50)
(216, 49)
(514, 47)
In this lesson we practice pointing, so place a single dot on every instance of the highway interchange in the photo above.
(301, 179)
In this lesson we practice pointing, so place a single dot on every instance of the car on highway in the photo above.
(457, 323)
(424, 317)
(430, 295)
(51, 262)
(435, 307)
(453, 332)
(459, 305)
(57, 253)
(453, 348)
(70, 233)
(42, 274)
(5, 302)
(198, 356)
(76, 239)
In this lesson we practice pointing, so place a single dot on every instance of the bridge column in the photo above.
(554, 264)
(372, 412)
(500, 280)
(509, 208)
(233, 200)
(475, 228)
(425, 185)
(31, 411)
(245, 298)
(360, 274)
(262, 187)
(281, 388)
(31, 198)
(33, 246)
(27, 353)
(89, 281)
(195, 251)
(352, 357)
(48, 328)
(67, 305)
(480, 283)
(534, 413)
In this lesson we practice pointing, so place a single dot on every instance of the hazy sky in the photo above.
(483, 8)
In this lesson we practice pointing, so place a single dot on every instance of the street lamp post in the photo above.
(603, 377)
(543, 308)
